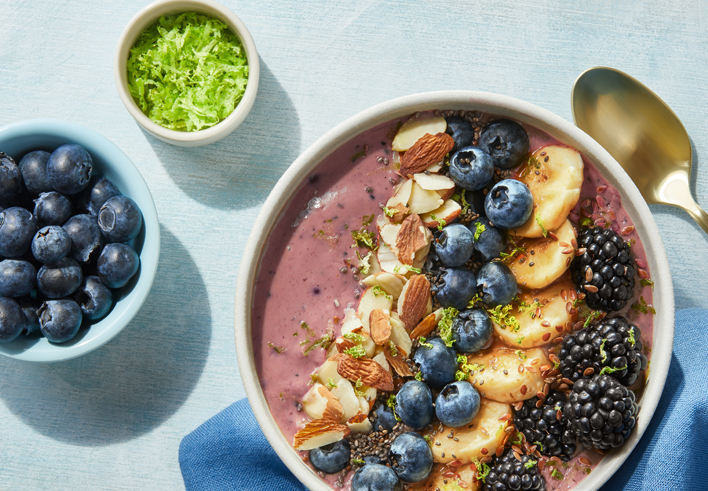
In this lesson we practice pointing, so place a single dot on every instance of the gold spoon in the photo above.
(641, 132)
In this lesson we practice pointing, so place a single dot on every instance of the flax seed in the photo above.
(563, 387)
(541, 465)
(627, 230)
(505, 417)
(524, 389)
(567, 381)
(510, 429)
(535, 361)
(545, 368)
(641, 263)
(484, 451)
(584, 461)
(519, 405)
(521, 368)
(569, 306)
(567, 262)
(546, 388)
(591, 288)
(546, 324)
(563, 244)
(588, 371)
(553, 236)
(600, 201)
(580, 252)
(642, 274)
(547, 336)
(539, 403)
(518, 456)
(601, 189)
(559, 328)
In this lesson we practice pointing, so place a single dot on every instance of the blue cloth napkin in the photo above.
(229, 452)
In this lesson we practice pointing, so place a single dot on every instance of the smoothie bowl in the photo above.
(454, 290)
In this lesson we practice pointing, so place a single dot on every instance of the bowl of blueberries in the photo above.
(79, 240)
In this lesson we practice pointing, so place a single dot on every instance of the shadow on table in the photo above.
(240, 170)
(134, 383)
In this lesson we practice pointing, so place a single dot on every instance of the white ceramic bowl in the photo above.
(144, 19)
(565, 132)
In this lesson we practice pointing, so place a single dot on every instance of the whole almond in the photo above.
(370, 372)
(412, 235)
(428, 150)
(413, 304)
(380, 325)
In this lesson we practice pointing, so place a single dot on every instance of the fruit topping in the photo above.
(471, 330)
(544, 426)
(455, 245)
(455, 287)
(414, 404)
(509, 204)
(602, 411)
(489, 241)
(506, 141)
(605, 271)
(510, 472)
(496, 283)
(411, 458)
(437, 362)
(331, 458)
(471, 168)
(457, 404)
(461, 131)
(613, 346)
(375, 477)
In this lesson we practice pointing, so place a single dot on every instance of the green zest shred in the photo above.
(421, 341)
(278, 349)
(352, 336)
(643, 307)
(500, 315)
(603, 353)
(392, 348)
(441, 223)
(557, 474)
(530, 463)
(389, 212)
(358, 462)
(608, 370)
(647, 282)
(364, 264)
(331, 384)
(479, 228)
(357, 351)
(419, 376)
(482, 470)
(445, 325)
(539, 221)
(187, 72)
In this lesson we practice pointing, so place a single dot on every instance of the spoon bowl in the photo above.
(641, 132)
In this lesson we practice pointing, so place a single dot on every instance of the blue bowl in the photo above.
(20, 138)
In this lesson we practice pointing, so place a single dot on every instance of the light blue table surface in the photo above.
(113, 419)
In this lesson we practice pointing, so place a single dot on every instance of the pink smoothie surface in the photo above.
(307, 277)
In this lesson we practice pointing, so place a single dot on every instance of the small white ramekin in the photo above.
(144, 19)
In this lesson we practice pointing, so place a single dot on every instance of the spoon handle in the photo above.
(700, 216)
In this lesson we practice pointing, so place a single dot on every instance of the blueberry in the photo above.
(411, 457)
(120, 219)
(471, 330)
(60, 279)
(471, 168)
(117, 264)
(12, 320)
(94, 298)
(52, 209)
(414, 404)
(10, 181)
(455, 245)
(496, 283)
(489, 242)
(29, 307)
(69, 168)
(99, 190)
(384, 419)
(461, 132)
(59, 320)
(33, 167)
(17, 278)
(509, 204)
(438, 364)
(17, 229)
(51, 244)
(85, 235)
(475, 201)
(507, 143)
(375, 477)
(456, 288)
(457, 404)
(331, 458)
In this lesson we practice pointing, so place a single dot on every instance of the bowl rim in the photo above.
(545, 120)
(148, 15)
(151, 244)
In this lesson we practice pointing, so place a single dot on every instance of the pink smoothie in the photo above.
(306, 275)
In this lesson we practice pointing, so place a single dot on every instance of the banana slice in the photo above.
(507, 375)
(416, 127)
(444, 478)
(479, 438)
(549, 260)
(538, 330)
(554, 178)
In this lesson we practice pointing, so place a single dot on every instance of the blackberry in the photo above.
(612, 345)
(511, 474)
(602, 411)
(604, 273)
(542, 425)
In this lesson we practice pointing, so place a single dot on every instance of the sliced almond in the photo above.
(318, 433)
(368, 371)
(415, 301)
(417, 126)
(391, 283)
(398, 362)
(319, 403)
(402, 193)
(425, 327)
(389, 232)
(433, 182)
(400, 211)
(449, 210)
(423, 201)
(345, 394)
(373, 299)
(343, 344)
(426, 151)
(359, 423)
(380, 326)
(435, 167)
(399, 335)
(388, 260)
(412, 236)
(446, 194)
